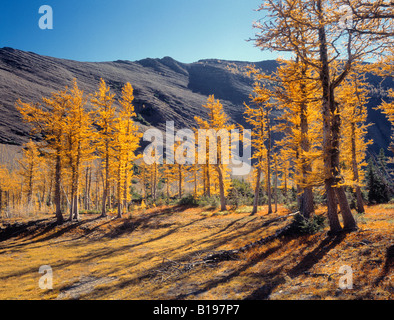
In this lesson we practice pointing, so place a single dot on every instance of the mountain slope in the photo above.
(165, 89)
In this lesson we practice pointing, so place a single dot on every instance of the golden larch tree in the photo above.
(257, 114)
(104, 117)
(126, 142)
(298, 94)
(79, 137)
(48, 120)
(353, 98)
(217, 127)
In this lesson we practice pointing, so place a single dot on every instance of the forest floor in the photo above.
(148, 256)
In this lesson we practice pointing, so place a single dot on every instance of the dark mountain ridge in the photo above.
(164, 89)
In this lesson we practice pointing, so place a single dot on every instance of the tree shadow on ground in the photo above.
(109, 252)
(63, 229)
(143, 221)
(40, 230)
(150, 274)
(264, 292)
(327, 244)
(16, 229)
(215, 283)
(388, 265)
(306, 263)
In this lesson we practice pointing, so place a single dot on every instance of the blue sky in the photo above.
(96, 30)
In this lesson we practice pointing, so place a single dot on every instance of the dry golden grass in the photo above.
(126, 258)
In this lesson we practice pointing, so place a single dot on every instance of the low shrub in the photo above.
(188, 200)
(240, 194)
(291, 206)
(89, 212)
(300, 225)
(206, 201)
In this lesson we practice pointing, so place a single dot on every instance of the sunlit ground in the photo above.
(128, 258)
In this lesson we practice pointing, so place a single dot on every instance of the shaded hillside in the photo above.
(165, 89)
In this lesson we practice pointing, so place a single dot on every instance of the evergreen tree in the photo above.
(378, 191)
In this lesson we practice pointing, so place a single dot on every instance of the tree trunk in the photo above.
(105, 189)
(276, 186)
(269, 191)
(119, 191)
(7, 203)
(168, 187)
(119, 215)
(1, 202)
(347, 216)
(256, 191)
(332, 209)
(349, 223)
(307, 206)
(204, 180)
(180, 181)
(76, 191)
(359, 201)
(329, 108)
(126, 191)
(59, 215)
(154, 181)
(88, 200)
(49, 198)
(144, 182)
(30, 187)
(208, 181)
(42, 198)
(85, 202)
(285, 186)
(71, 215)
(110, 203)
(97, 191)
(195, 181)
(359, 198)
(221, 188)
(76, 207)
